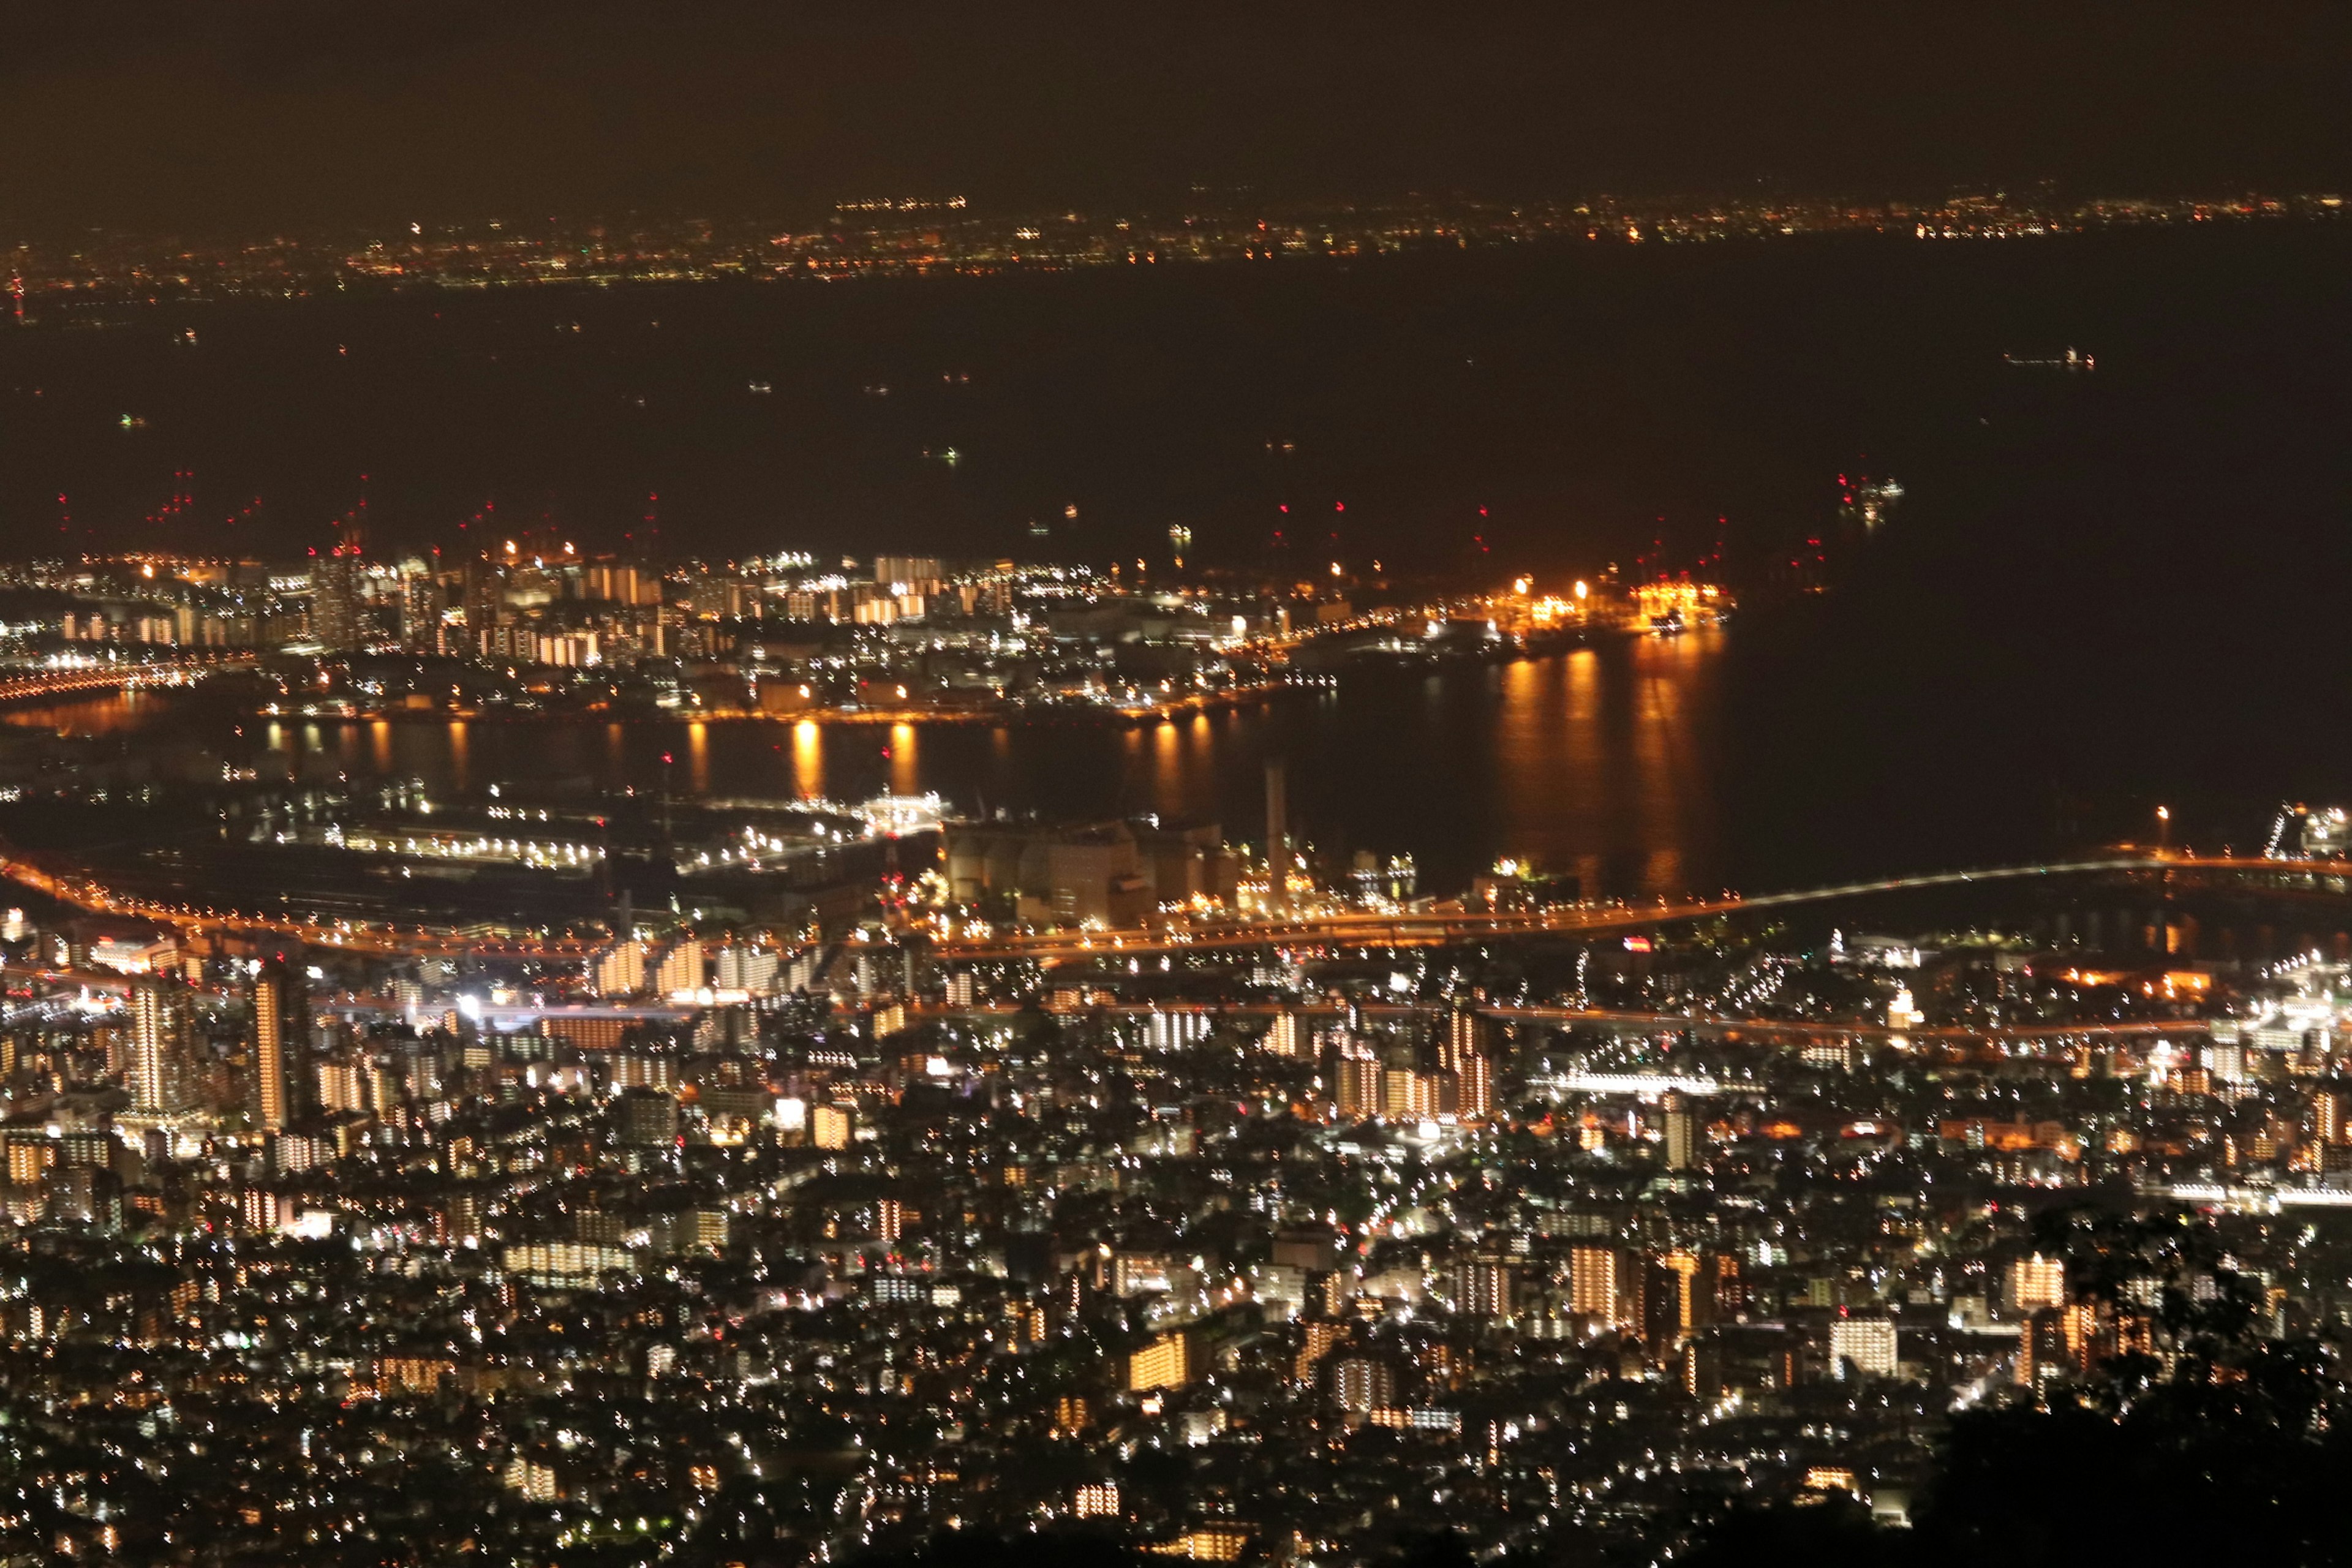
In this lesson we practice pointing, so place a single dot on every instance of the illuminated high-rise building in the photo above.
(1485, 1288)
(912, 574)
(1461, 1052)
(1281, 1036)
(1730, 1289)
(620, 583)
(273, 1078)
(682, 970)
(1596, 1282)
(1316, 1340)
(2330, 1111)
(485, 590)
(1460, 1040)
(1475, 1089)
(1358, 1084)
(30, 1159)
(1363, 1385)
(1167, 1361)
(338, 602)
(1662, 1305)
(1868, 1345)
(1682, 1135)
(157, 1075)
(619, 970)
(2037, 1283)
(832, 1126)
(421, 603)
(646, 1118)
(1682, 1272)
(2042, 1346)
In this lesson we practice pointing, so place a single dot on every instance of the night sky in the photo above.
(242, 113)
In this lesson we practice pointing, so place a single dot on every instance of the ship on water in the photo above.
(1868, 502)
(2073, 362)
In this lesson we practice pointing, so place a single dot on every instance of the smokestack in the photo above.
(1277, 839)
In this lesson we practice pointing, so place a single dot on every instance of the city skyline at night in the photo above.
(1561, 786)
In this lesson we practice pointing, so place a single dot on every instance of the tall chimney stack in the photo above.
(1277, 839)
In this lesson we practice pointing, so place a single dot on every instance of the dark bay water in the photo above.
(1588, 400)
(1642, 766)
(2104, 592)
(1598, 762)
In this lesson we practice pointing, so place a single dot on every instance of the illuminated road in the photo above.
(1432, 928)
(35, 685)
(1655, 1023)
(355, 936)
(1440, 926)
(1776, 1028)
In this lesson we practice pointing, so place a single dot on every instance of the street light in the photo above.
(2163, 829)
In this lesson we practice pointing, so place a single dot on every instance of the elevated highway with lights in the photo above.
(382, 938)
(72, 681)
(1730, 1025)
(1441, 926)
(1323, 930)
